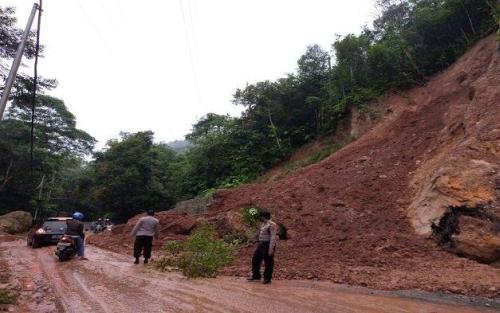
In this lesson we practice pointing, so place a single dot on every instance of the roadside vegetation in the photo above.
(201, 255)
(6, 296)
(408, 42)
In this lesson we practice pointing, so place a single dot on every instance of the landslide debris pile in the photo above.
(173, 226)
(365, 215)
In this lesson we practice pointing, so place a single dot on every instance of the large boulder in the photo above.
(477, 239)
(15, 222)
(182, 225)
(230, 223)
(194, 206)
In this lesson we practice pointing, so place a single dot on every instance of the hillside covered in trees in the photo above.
(408, 43)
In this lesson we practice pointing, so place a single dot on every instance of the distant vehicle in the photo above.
(98, 228)
(49, 232)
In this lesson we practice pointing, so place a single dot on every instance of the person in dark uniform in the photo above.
(265, 249)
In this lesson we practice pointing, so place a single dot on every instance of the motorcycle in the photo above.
(66, 248)
(98, 228)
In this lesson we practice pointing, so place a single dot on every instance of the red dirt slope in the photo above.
(349, 215)
(362, 215)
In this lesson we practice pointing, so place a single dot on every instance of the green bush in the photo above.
(201, 255)
(6, 297)
(236, 239)
(250, 216)
(323, 153)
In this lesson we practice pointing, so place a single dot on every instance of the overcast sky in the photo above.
(126, 65)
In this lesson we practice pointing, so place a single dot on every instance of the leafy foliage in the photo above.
(132, 175)
(201, 255)
(409, 41)
(250, 216)
(58, 146)
(7, 297)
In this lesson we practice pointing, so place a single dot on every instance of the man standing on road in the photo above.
(74, 227)
(265, 249)
(144, 231)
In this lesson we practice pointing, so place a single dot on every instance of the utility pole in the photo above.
(17, 61)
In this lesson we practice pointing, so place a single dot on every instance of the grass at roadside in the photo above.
(6, 296)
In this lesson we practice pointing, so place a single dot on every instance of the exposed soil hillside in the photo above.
(363, 216)
(355, 216)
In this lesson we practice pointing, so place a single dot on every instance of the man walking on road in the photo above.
(265, 249)
(144, 231)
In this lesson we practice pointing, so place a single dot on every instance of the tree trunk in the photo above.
(7, 177)
(274, 130)
(465, 35)
(468, 17)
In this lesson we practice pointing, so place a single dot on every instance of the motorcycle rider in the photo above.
(75, 229)
(99, 225)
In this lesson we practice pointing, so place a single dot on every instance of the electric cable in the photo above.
(190, 52)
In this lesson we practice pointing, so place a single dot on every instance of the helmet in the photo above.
(78, 216)
(100, 219)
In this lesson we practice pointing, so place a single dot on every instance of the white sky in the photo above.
(126, 65)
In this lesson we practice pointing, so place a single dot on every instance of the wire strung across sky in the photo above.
(190, 52)
(92, 24)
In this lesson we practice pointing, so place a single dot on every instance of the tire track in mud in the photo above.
(110, 283)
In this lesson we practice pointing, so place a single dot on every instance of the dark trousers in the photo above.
(262, 253)
(143, 243)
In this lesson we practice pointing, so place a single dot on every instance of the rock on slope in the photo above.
(15, 222)
(363, 215)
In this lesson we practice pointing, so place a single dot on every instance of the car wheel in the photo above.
(63, 256)
(35, 244)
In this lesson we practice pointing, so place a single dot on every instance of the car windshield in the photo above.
(54, 225)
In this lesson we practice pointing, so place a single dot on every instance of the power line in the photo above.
(120, 8)
(108, 15)
(190, 52)
(92, 24)
(193, 31)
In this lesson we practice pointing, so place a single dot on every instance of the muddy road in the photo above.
(109, 282)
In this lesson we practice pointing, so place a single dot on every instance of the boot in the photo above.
(136, 261)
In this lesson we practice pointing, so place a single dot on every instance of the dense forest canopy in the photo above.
(408, 42)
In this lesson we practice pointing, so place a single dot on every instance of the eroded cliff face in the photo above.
(464, 170)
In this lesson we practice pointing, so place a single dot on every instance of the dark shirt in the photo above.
(74, 228)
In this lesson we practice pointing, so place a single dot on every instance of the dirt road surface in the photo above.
(109, 282)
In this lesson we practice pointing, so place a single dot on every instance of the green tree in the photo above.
(132, 175)
(57, 142)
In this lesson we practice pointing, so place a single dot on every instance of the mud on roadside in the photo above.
(22, 278)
